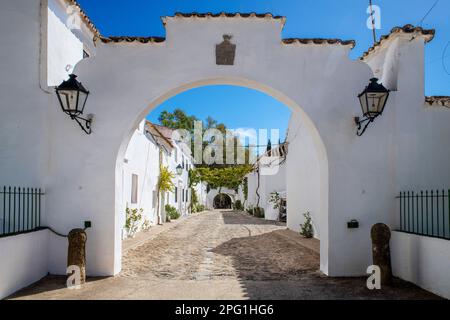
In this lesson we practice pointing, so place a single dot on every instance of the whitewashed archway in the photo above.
(128, 79)
(308, 133)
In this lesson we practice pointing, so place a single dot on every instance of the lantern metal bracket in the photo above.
(359, 123)
(84, 123)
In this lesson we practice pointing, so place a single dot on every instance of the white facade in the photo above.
(305, 194)
(140, 174)
(270, 179)
(354, 177)
(422, 260)
(24, 261)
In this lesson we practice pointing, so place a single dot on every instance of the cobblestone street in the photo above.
(222, 255)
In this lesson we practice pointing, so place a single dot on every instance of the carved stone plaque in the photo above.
(225, 52)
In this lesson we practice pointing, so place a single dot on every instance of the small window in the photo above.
(134, 188)
(85, 54)
(182, 161)
(176, 194)
(182, 194)
(187, 195)
(154, 198)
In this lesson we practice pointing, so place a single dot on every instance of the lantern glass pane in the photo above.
(383, 101)
(363, 102)
(374, 103)
(68, 100)
(82, 100)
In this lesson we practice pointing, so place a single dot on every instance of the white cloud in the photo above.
(246, 135)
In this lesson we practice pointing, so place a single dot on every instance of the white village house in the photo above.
(140, 174)
(330, 171)
(269, 177)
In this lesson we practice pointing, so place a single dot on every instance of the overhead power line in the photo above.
(429, 11)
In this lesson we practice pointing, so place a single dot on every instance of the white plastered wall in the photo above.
(318, 82)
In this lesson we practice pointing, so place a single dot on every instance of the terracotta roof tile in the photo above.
(319, 41)
(161, 133)
(132, 39)
(225, 15)
(410, 29)
(441, 101)
(84, 17)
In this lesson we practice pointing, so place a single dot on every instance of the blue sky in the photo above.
(344, 19)
(237, 107)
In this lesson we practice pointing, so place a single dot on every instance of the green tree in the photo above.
(177, 119)
(218, 178)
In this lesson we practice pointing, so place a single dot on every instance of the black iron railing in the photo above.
(425, 213)
(20, 210)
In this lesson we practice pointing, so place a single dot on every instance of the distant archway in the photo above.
(222, 201)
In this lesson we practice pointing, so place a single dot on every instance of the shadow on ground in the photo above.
(273, 266)
(49, 285)
(223, 255)
(239, 217)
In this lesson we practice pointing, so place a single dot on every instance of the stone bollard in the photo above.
(381, 235)
(77, 252)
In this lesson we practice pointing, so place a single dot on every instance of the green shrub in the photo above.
(307, 230)
(133, 219)
(238, 205)
(250, 210)
(275, 199)
(171, 212)
(200, 207)
(258, 212)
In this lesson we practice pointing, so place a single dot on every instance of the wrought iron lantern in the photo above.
(179, 170)
(373, 100)
(72, 96)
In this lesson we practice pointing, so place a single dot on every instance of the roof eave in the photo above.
(428, 34)
(210, 15)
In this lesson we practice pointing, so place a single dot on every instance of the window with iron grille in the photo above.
(154, 198)
(176, 194)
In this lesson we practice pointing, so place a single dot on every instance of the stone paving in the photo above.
(221, 255)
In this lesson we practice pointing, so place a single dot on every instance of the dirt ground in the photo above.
(222, 255)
